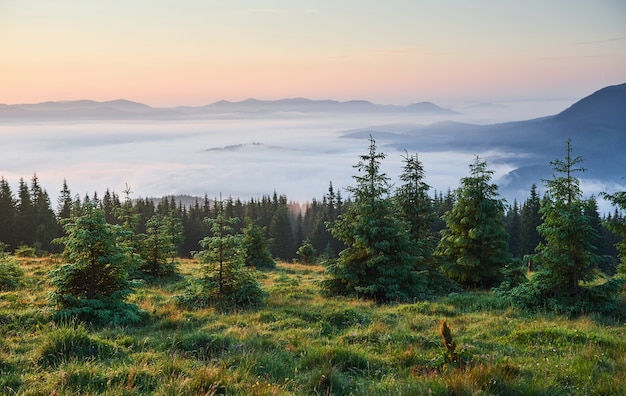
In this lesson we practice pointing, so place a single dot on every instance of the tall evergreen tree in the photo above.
(513, 222)
(567, 256)
(25, 219)
(378, 261)
(530, 219)
(474, 242)
(8, 214)
(618, 227)
(280, 232)
(416, 208)
(46, 226)
(64, 202)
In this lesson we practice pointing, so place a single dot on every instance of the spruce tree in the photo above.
(618, 227)
(567, 257)
(513, 222)
(530, 220)
(64, 202)
(415, 207)
(159, 246)
(227, 282)
(378, 261)
(280, 232)
(474, 242)
(255, 248)
(8, 214)
(92, 285)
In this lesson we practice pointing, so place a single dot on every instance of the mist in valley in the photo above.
(248, 155)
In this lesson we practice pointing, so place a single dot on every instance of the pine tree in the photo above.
(93, 283)
(8, 214)
(255, 248)
(159, 245)
(64, 202)
(227, 282)
(474, 242)
(618, 227)
(46, 226)
(530, 219)
(415, 207)
(567, 256)
(280, 232)
(378, 261)
(25, 219)
(513, 222)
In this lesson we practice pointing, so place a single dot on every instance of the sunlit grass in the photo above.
(303, 342)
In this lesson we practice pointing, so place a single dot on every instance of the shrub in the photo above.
(25, 251)
(11, 274)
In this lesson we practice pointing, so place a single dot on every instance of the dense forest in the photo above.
(30, 219)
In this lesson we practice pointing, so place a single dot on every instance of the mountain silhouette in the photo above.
(596, 125)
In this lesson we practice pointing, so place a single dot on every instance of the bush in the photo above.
(25, 251)
(11, 274)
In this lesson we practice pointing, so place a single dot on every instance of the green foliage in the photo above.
(474, 242)
(307, 252)
(70, 340)
(378, 262)
(416, 208)
(619, 199)
(93, 283)
(11, 273)
(256, 248)
(159, 246)
(566, 259)
(25, 251)
(282, 244)
(227, 282)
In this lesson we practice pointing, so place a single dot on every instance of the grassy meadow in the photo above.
(304, 343)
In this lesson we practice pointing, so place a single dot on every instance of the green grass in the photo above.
(304, 343)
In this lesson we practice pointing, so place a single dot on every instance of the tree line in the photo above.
(385, 243)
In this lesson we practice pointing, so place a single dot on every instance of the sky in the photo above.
(195, 52)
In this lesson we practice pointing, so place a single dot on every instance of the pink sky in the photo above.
(193, 53)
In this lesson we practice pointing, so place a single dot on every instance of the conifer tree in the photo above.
(474, 242)
(567, 256)
(93, 283)
(280, 232)
(227, 282)
(255, 248)
(530, 220)
(25, 219)
(513, 222)
(8, 214)
(159, 245)
(415, 207)
(378, 261)
(618, 227)
(64, 202)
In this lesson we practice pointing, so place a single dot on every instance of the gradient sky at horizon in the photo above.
(191, 52)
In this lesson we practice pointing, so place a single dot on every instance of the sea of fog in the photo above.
(292, 154)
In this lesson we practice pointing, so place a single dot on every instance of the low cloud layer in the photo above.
(297, 156)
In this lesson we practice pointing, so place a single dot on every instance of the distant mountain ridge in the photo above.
(122, 109)
(596, 125)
